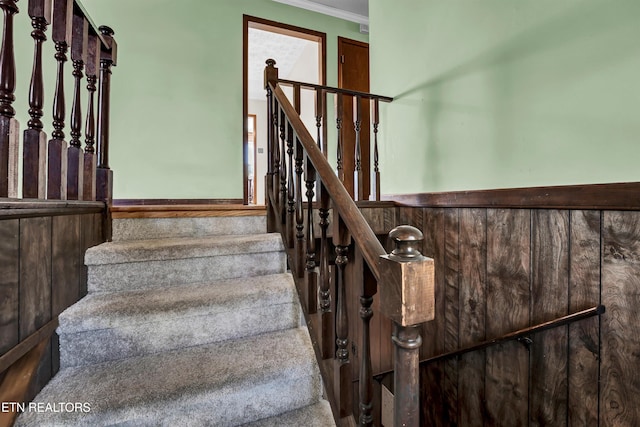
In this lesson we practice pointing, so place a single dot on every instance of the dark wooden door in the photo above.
(353, 74)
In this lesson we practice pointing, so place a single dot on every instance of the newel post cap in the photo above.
(407, 279)
(270, 72)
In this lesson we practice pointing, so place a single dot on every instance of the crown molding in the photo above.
(327, 10)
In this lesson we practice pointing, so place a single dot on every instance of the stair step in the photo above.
(316, 415)
(111, 326)
(161, 228)
(155, 263)
(222, 384)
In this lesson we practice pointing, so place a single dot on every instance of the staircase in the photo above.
(188, 322)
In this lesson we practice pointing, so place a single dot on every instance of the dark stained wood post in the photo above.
(375, 119)
(104, 174)
(342, 367)
(291, 191)
(407, 298)
(339, 107)
(75, 155)
(34, 149)
(319, 93)
(92, 67)
(271, 76)
(358, 179)
(299, 243)
(283, 170)
(325, 287)
(8, 125)
(310, 266)
(57, 153)
(276, 157)
(369, 287)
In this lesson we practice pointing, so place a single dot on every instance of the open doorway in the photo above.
(300, 54)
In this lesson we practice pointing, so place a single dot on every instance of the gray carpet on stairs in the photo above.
(187, 328)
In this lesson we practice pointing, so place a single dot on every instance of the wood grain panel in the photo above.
(473, 276)
(35, 274)
(584, 292)
(620, 334)
(549, 300)
(66, 261)
(432, 332)
(9, 283)
(508, 277)
(451, 313)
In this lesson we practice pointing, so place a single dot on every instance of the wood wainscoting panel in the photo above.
(584, 336)
(35, 274)
(508, 284)
(620, 333)
(9, 284)
(472, 305)
(549, 300)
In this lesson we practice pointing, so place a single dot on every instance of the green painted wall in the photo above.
(177, 90)
(506, 93)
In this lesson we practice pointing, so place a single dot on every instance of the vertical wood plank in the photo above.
(508, 277)
(433, 332)
(584, 292)
(549, 300)
(66, 261)
(620, 333)
(473, 280)
(9, 283)
(451, 313)
(35, 274)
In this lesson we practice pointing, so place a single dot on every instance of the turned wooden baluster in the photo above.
(310, 267)
(299, 213)
(375, 118)
(369, 286)
(75, 155)
(342, 367)
(339, 111)
(276, 154)
(407, 298)
(34, 147)
(92, 68)
(57, 154)
(319, 111)
(358, 179)
(283, 170)
(325, 286)
(108, 58)
(291, 190)
(299, 244)
(9, 138)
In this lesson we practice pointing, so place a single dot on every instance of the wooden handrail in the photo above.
(342, 201)
(404, 278)
(330, 89)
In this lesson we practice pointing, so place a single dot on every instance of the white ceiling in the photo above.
(286, 50)
(351, 10)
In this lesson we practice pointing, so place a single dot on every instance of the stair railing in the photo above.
(58, 169)
(404, 277)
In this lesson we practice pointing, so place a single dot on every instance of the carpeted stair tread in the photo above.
(235, 381)
(161, 228)
(181, 248)
(111, 326)
(316, 415)
(126, 308)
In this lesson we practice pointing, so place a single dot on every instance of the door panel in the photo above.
(353, 74)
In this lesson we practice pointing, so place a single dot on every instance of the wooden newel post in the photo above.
(407, 298)
(271, 180)
(104, 175)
